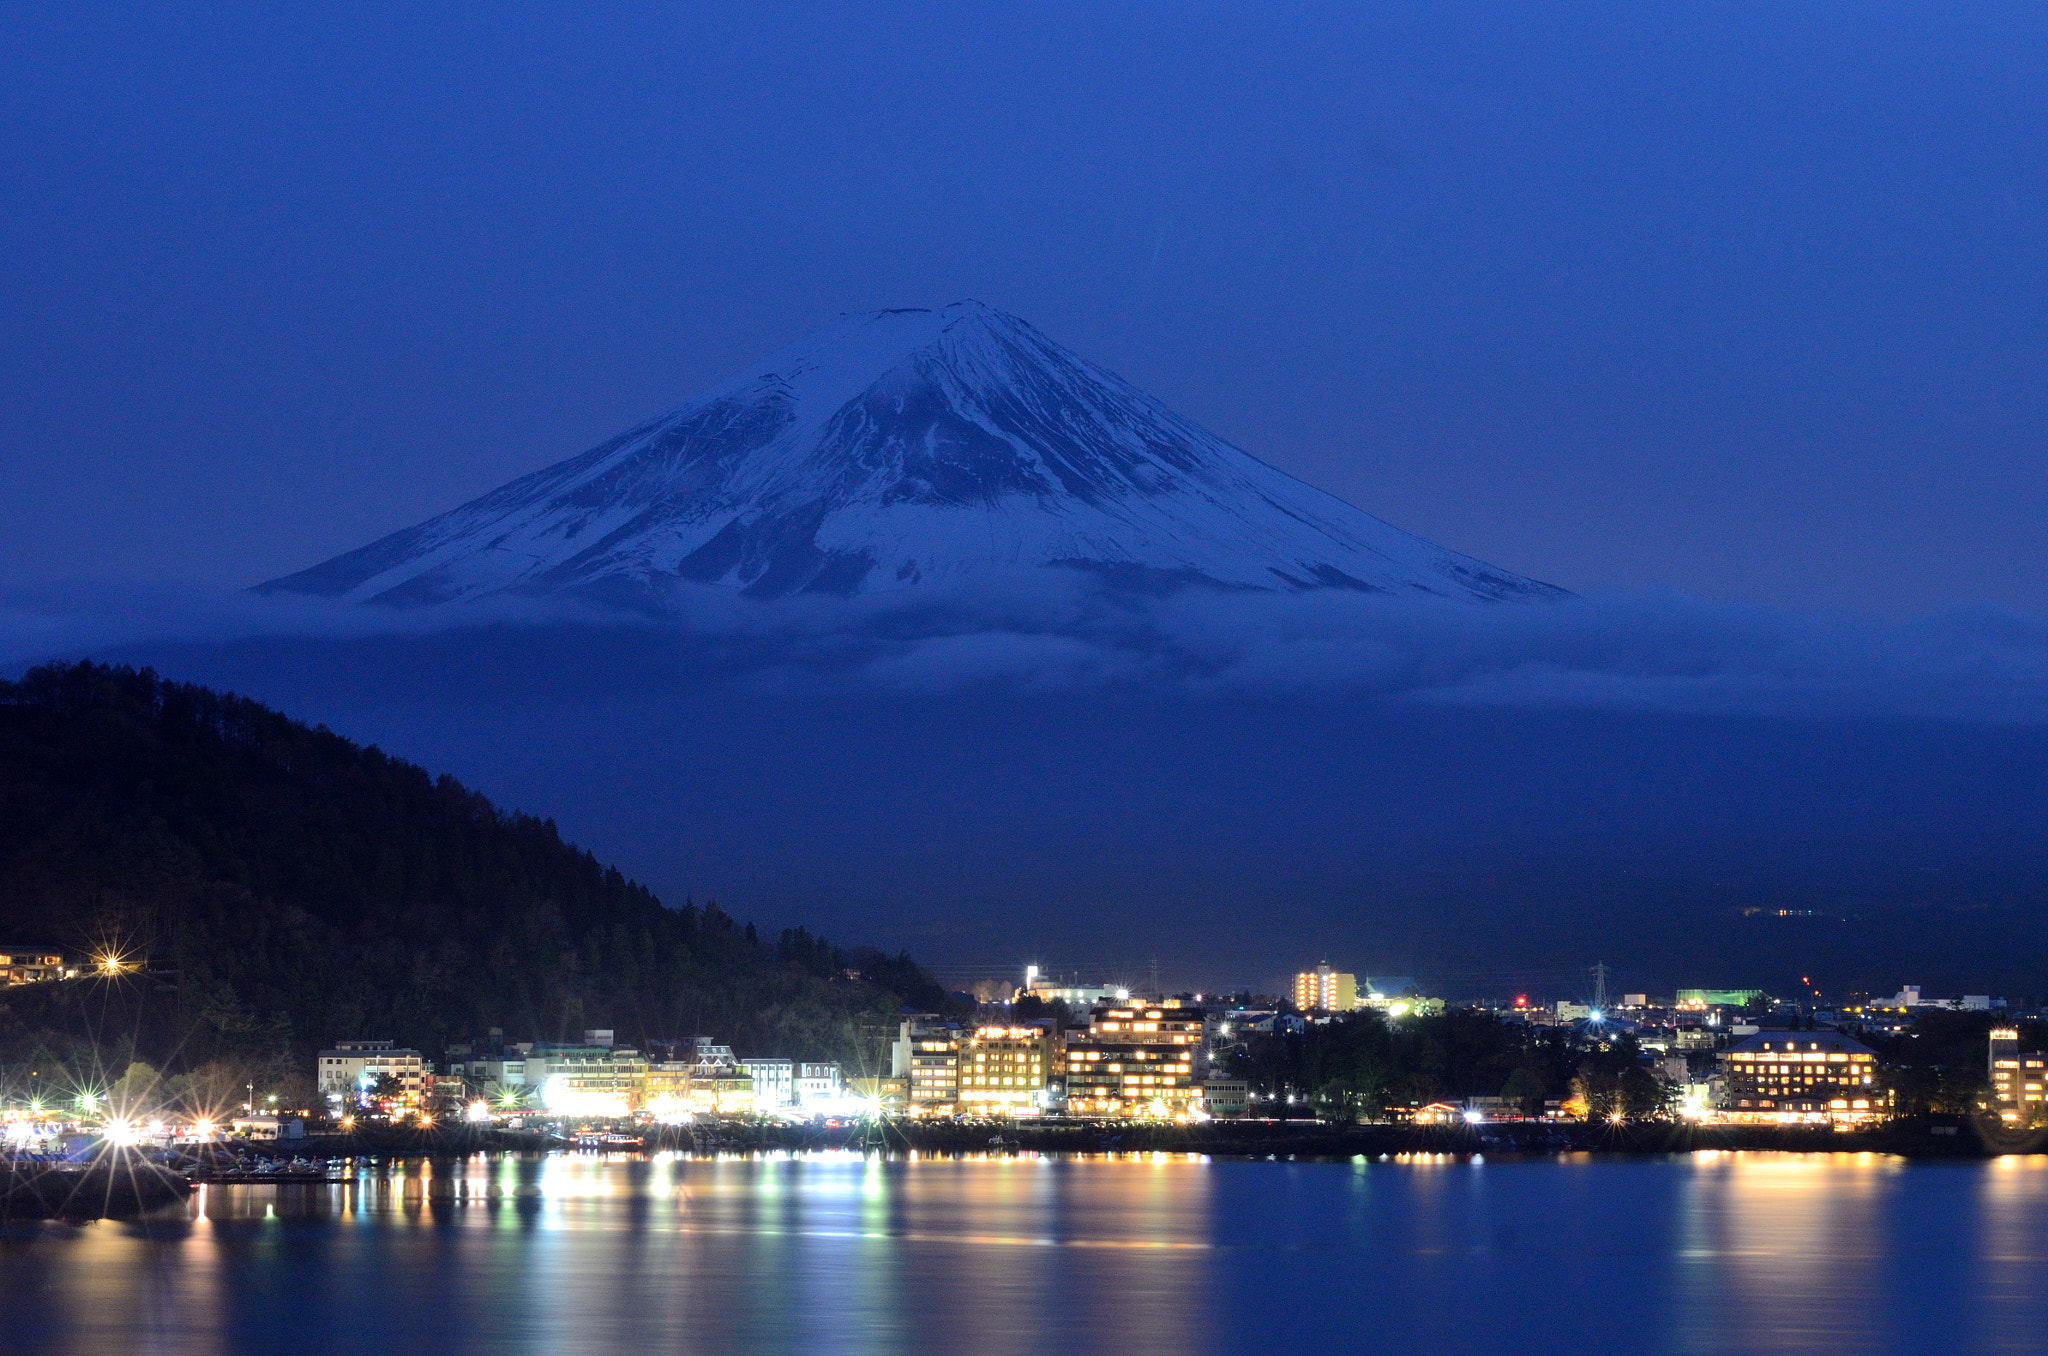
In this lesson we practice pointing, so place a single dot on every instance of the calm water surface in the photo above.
(1720, 1253)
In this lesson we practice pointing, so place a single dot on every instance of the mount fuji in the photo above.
(895, 452)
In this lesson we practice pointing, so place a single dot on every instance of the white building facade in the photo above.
(352, 1067)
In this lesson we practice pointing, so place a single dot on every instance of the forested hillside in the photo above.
(280, 887)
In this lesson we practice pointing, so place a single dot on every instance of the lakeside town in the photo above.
(1054, 1050)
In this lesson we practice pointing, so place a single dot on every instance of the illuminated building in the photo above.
(1802, 1077)
(587, 1080)
(667, 1089)
(1411, 1005)
(889, 1096)
(774, 1082)
(1226, 1099)
(351, 1067)
(817, 1084)
(30, 965)
(493, 1076)
(718, 1085)
(1136, 1062)
(1699, 1000)
(926, 1056)
(1005, 1071)
(1079, 997)
(2019, 1083)
(1325, 990)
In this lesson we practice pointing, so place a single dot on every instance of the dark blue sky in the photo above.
(1745, 301)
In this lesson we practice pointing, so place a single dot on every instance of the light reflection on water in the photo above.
(837, 1252)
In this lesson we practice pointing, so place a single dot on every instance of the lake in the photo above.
(1717, 1252)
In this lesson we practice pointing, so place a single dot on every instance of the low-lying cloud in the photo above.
(1627, 651)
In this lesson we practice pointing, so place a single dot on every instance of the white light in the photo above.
(840, 1106)
(1595, 1014)
(1474, 1117)
(563, 1100)
(119, 1131)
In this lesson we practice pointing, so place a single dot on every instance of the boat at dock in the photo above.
(274, 1172)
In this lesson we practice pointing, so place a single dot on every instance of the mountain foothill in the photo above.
(263, 887)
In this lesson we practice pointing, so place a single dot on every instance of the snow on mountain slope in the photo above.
(894, 449)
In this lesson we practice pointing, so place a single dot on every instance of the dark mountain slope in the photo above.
(289, 888)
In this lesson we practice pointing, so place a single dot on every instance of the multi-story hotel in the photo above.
(2019, 1083)
(587, 1080)
(1005, 1070)
(948, 1070)
(1136, 1062)
(351, 1068)
(926, 1056)
(1325, 990)
(1810, 1077)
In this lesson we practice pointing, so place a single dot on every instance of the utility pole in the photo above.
(1600, 987)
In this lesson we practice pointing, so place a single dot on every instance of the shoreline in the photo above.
(105, 1189)
(1928, 1138)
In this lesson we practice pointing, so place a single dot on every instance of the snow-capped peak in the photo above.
(894, 448)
